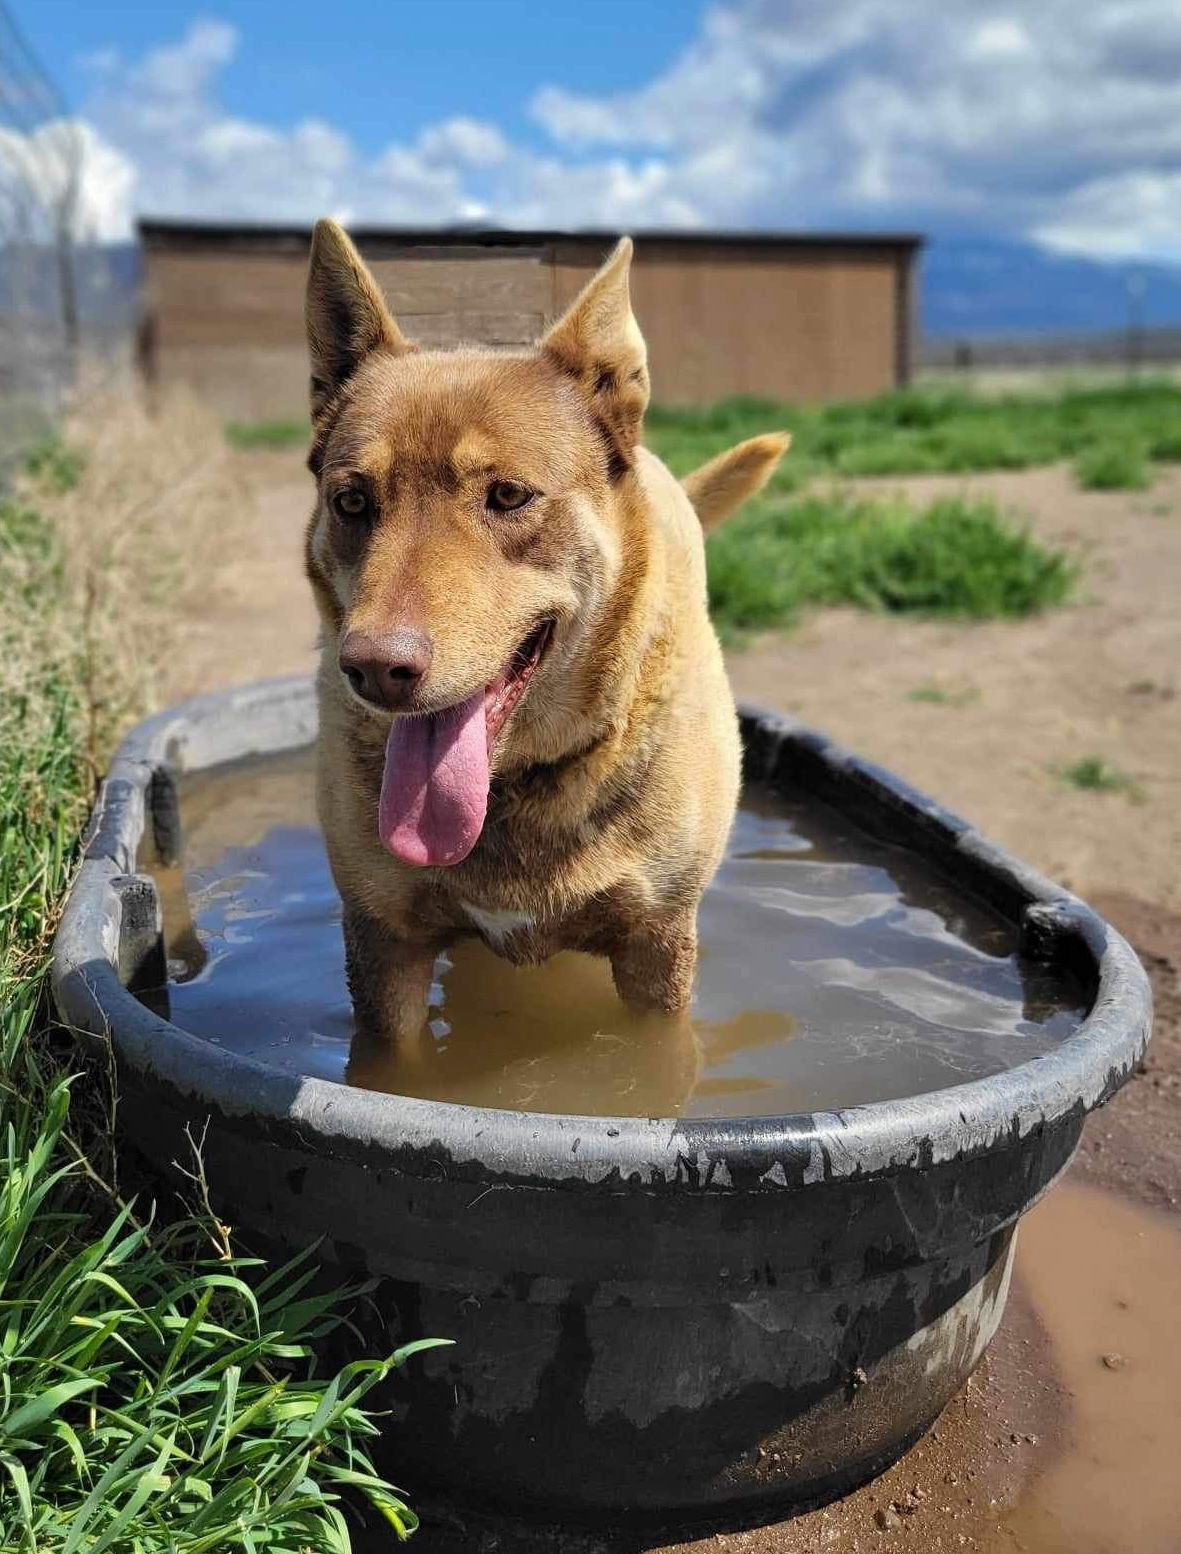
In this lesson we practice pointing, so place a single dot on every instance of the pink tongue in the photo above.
(434, 790)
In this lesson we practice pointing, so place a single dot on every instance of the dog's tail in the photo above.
(720, 487)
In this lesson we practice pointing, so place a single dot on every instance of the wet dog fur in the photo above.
(615, 776)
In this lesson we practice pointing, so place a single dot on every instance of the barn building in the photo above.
(782, 316)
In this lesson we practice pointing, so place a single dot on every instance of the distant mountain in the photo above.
(980, 286)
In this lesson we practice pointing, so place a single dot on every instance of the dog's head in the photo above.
(469, 528)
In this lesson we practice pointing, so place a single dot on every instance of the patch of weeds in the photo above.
(267, 434)
(160, 1394)
(930, 430)
(942, 696)
(56, 464)
(956, 557)
(1153, 688)
(1113, 466)
(1095, 774)
(1165, 447)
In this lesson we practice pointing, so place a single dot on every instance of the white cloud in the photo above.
(1060, 120)
(467, 141)
(998, 36)
(105, 189)
(924, 112)
(65, 167)
(1131, 213)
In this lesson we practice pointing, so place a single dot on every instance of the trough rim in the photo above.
(420, 1137)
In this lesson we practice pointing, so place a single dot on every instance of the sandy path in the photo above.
(259, 619)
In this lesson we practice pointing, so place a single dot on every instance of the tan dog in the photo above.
(525, 726)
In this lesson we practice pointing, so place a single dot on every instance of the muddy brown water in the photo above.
(1104, 1277)
(835, 969)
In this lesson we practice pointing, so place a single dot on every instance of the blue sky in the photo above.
(1046, 120)
(384, 71)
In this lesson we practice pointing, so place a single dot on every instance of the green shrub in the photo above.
(1165, 446)
(953, 558)
(1096, 774)
(1113, 466)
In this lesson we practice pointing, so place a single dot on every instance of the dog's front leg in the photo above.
(654, 962)
(389, 978)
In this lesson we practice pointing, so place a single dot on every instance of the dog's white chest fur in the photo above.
(497, 926)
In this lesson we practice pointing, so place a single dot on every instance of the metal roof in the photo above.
(161, 232)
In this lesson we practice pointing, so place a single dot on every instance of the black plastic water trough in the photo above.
(657, 1318)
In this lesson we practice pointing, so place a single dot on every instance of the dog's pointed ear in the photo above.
(598, 343)
(345, 313)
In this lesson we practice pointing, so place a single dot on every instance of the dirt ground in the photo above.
(1101, 677)
(1046, 1452)
(258, 618)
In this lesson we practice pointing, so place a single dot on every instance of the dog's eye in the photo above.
(351, 504)
(507, 496)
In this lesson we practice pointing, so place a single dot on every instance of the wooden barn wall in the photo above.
(784, 323)
(231, 324)
(805, 324)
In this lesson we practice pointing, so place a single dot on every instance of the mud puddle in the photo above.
(834, 969)
(1105, 1280)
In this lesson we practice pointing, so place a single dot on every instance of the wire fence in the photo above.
(56, 286)
(1131, 350)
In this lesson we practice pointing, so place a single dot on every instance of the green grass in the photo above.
(943, 696)
(1096, 774)
(955, 557)
(55, 462)
(931, 431)
(158, 1392)
(1165, 445)
(1113, 466)
(268, 434)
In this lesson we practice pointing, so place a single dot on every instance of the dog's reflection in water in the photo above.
(552, 1038)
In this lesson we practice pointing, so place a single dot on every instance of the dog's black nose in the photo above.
(385, 669)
